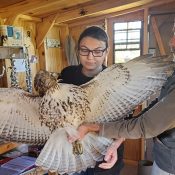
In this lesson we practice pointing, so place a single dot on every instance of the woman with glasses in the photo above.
(93, 50)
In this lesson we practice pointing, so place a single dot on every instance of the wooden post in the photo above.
(157, 35)
(145, 34)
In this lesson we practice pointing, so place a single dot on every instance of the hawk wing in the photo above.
(19, 118)
(116, 91)
(111, 95)
(21, 121)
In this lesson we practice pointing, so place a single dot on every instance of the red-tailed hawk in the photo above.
(110, 96)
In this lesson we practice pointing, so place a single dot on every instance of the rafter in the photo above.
(11, 20)
(36, 5)
(43, 28)
(158, 36)
(101, 9)
(86, 19)
(30, 18)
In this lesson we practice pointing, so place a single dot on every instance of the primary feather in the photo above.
(110, 96)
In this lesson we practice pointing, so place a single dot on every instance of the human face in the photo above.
(90, 62)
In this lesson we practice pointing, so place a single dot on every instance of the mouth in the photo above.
(90, 63)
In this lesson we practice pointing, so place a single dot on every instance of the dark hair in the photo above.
(94, 32)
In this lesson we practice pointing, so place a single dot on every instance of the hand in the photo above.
(111, 154)
(83, 130)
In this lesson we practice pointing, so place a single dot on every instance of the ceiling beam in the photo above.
(100, 8)
(12, 20)
(22, 7)
(43, 28)
(30, 18)
(61, 6)
(86, 19)
(142, 7)
(26, 6)
(158, 36)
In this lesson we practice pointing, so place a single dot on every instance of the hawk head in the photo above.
(44, 81)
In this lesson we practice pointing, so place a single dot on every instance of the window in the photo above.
(127, 41)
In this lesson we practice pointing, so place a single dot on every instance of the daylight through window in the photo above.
(127, 41)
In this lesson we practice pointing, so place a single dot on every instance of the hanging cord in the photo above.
(3, 71)
(28, 69)
(13, 74)
(172, 42)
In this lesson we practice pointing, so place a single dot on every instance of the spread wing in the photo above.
(117, 90)
(20, 121)
(111, 95)
(19, 118)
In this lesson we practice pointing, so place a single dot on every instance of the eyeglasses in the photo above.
(95, 53)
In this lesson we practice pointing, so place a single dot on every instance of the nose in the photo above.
(90, 56)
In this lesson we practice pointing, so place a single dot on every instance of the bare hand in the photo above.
(82, 131)
(111, 154)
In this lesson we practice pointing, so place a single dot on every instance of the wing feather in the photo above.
(19, 118)
(116, 91)
(110, 96)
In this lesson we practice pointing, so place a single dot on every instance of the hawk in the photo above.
(61, 108)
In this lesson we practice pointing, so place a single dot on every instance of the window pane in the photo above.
(124, 56)
(119, 26)
(120, 36)
(134, 35)
(134, 25)
(133, 46)
(120, 46)
(127, 40)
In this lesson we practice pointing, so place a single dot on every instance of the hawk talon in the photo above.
(77, 148)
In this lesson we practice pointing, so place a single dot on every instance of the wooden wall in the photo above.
(54, 59)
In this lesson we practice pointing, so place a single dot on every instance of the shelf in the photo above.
(7, 52)
(19, 47)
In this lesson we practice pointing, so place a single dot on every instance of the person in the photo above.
(92, 51)
(157, 122)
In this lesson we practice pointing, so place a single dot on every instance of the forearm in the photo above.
(155, 121)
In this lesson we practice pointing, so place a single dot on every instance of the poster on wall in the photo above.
(11, 35)
(33, 59)
(52, 43)
(20, 65)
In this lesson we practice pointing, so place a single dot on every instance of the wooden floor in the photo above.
(129, 170)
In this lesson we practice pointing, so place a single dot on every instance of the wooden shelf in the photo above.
(15, 52)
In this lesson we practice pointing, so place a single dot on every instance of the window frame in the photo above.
(127, 43)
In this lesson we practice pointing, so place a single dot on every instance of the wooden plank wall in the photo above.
(54, 59)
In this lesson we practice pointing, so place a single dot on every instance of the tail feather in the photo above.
(57, 154)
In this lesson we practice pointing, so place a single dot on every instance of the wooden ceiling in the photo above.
(67, 10)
